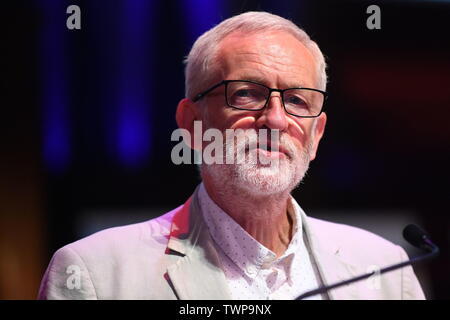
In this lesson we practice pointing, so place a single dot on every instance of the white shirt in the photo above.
(253, 272)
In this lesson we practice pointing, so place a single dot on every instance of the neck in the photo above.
(265, 218)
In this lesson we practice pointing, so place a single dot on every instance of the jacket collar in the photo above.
(331, 266)
(195, 271)
(196, 275)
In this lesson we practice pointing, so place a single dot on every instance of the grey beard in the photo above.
(260, 181)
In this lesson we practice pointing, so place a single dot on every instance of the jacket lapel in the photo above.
(331, 267)
(195, 273)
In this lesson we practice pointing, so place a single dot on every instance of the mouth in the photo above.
(270, 151)
(271, 154)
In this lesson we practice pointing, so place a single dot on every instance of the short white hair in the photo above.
(199, 69)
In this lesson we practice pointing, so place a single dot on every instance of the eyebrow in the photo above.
(262, 80)
(254, 78)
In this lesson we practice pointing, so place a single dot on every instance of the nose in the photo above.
(273, 115)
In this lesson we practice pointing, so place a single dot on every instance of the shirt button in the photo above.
(251, 270)
(268, 261)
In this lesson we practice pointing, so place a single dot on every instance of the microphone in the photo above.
(414, 235)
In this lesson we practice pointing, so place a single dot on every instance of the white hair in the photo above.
(201, 58)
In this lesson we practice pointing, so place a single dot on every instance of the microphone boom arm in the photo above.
(427, 245)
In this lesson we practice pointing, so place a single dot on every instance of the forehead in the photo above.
(273, 58)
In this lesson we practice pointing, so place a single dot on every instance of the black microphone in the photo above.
(414, 235)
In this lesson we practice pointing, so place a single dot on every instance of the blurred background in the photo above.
(87, 115)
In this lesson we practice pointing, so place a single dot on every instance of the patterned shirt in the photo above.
(253, 272)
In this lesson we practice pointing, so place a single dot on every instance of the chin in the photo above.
(266, 181)
(255, 180)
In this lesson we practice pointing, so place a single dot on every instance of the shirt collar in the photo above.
(246, 252)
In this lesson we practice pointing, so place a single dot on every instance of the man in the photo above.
(241, 235)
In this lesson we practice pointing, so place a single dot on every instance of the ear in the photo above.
(319, 129)
(187, 113)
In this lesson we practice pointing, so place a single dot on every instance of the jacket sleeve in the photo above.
(67, 278)
(411, 289)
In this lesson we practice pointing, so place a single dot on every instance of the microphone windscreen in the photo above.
(414, 235)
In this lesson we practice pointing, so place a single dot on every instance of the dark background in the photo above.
(87, 117)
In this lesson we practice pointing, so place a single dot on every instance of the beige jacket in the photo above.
(173, 257)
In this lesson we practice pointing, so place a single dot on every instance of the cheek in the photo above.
(213, 119)
(245, 122)
(231, 120)
(299, 130)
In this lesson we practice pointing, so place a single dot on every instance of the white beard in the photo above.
(254, 178)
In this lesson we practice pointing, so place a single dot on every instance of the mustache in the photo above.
(250, 139)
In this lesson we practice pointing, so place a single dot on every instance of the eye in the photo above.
(296, 100)
(246, 95)
(243, 93)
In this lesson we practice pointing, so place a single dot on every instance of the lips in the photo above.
(275, 148)
(269, 148)
(271, 151)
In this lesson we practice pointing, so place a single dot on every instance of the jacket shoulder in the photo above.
(111, 264)
(365, 251)
(354, 242)
(151, 234)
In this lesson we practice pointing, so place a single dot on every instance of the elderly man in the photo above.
(241, 235)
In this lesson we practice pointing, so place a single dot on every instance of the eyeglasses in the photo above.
(253, 96)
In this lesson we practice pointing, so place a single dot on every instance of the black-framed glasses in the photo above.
(253, 96)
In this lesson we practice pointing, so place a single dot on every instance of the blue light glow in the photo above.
(133, 131)
(55, 107)
(202, 15)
